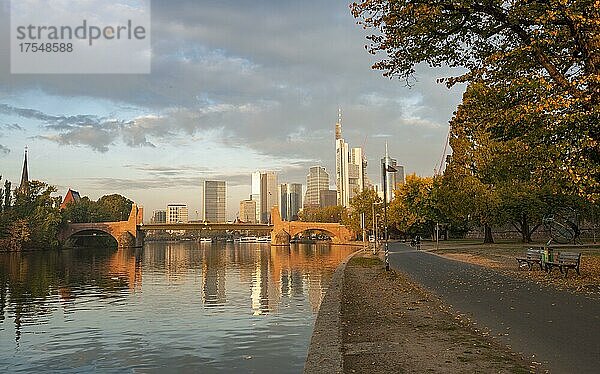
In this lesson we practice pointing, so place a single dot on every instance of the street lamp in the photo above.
(374, 217)
(386, 168)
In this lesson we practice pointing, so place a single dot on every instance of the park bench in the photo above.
(564, 261)
(532, 256)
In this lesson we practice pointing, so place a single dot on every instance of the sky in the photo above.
(235, 87)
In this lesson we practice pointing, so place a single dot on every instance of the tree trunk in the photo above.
(525, 233)
(488, 238)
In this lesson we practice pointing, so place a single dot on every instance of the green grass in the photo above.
(366, 262)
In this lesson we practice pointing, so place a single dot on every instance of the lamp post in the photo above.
(385, 168)
(374, 217)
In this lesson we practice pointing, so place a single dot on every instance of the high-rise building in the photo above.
(215, 194)
(393, 178)
(264, 192)
(177, 213)
(327, 198)
(350, 167)
(317, 180)
(159, 216)
(248, 211)
(255, 194)
(290, 200)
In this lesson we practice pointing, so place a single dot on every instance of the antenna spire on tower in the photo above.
(338, 125)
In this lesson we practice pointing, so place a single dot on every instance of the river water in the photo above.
(182, 306)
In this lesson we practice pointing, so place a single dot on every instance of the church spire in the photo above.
(24, 186)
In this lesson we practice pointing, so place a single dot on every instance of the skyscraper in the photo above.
(264, 192)
(290, 200)
(393, 177)
(316, 181)
(349, 167)
(327, 198)
(215, 195)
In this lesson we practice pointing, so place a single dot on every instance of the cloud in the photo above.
(4, 150)
(13, 127)
(269, 78)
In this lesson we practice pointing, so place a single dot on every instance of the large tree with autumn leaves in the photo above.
(541, 58)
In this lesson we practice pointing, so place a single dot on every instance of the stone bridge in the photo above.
(126, 233)
(283, 231)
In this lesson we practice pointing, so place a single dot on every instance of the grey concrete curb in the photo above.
(325, 350)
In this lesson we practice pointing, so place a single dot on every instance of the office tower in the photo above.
(255, 194)
(264, 192)
(215, 194)
(400, 175)
(159, 216)
(349, 167)
(317, 180)
(290, 200)
(393, 177)
(327, 198)
(248, 211)
(177, 213)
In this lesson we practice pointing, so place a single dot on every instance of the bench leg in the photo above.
(577, 270)
(566, 271)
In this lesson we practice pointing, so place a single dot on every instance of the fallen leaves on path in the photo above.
(391, 325)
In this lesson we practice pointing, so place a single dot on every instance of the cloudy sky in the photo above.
(236, 86)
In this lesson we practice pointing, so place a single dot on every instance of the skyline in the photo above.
(219, 104)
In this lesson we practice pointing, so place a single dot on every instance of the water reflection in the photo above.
(184, 305)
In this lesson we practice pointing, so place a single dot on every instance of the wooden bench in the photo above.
(564, 261)
(532, 256)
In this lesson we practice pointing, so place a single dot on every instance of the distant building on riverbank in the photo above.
(317, 180)
(247, 211)
(350, 167)
(392, 178)
(70, 197)
(327, 198)
(290, 200)
(159, 216)
(215, 195)
(264, 192)
(177, 213)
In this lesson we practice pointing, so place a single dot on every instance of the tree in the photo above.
(507, 161)
(414, 208)
(115, 207)
(317, 214)
(552, 46)
(36, 214)
(7, 195)
(361, 203)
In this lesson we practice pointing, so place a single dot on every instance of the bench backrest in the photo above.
(569, 257)
(533, 254)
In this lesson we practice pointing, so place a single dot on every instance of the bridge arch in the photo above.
(299, 231)
(284, 230)
(87, 232)
(126, 233)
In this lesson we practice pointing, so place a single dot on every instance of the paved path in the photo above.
(562, 329)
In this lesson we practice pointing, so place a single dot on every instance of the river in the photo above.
(181, 306)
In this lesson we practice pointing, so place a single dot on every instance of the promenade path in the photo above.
(560, 328)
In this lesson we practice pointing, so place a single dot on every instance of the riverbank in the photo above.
(387, 323)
